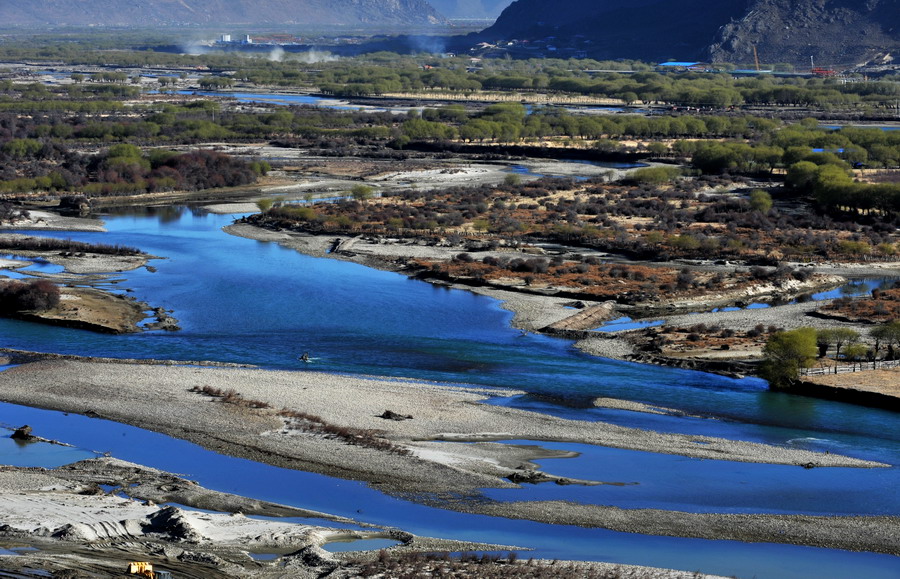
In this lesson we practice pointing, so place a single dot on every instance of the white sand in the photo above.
(52, 221)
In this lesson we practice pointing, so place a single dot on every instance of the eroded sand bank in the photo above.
(423, 457)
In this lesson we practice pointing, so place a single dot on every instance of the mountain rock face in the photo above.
(832, 31)
(470, 9)
(161, 13)
(829, 31)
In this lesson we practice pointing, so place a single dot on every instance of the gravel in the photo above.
(158, 397)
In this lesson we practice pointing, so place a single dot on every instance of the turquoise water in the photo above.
(34, 454)
(857, 288)
(625, 323)
(36, 265)
(240, 300)
(523, 170)
(245, 301)
(359, 545)
(631, 480)
(358, 501)
(296, 99)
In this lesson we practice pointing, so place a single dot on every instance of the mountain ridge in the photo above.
(179, 13)
(832, 31)
(470, 9)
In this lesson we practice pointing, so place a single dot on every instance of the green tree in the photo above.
(685, 241)
(124, 151)
(856, 352)
(361, 192)
(760, 201)
(655, 175)
(886, 335)
(785, 354)
(801, 175)
(265, 204)
(658, 149)
(261, 168)
(22, 147)
(836, 336)
(512, 179)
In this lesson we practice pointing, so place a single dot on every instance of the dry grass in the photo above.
(483, 565)
(881, 306)
(230, 396)
(880, 381)
(305, 422)
(703, 337)
(368, 438)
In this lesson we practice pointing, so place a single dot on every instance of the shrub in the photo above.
(37, 296)
(785, 354)
(760, 201)
(655, 175)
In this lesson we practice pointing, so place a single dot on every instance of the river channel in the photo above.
(244, 301)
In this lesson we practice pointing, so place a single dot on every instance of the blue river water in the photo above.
(240, 300)
(356, 500)
(298, 100)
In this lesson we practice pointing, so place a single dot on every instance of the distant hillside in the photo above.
(155, 13)
(470, 9)
(833, 31)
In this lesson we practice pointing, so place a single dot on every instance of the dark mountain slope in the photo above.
(645, 29)
(154, 13)
(834, 31)
(470, 9)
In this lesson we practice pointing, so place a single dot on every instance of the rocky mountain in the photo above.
(470, 9)
(156, 13)
(832, 31)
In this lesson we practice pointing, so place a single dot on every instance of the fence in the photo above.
(858, 367)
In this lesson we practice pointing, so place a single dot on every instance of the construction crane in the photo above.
(820, 70)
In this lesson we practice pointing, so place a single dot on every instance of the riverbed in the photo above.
(242, 301)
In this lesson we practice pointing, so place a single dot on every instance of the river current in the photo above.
(245, 301)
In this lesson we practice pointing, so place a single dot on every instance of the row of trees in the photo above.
(716, 90)
(511, 122)
(787, 352)
(378, 73)
(125, 169)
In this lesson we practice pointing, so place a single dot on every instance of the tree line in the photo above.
(788, 352)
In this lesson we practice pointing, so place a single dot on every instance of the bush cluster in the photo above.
(66, 246)
(33, 296)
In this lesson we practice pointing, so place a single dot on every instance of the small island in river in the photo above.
(449, 444)
(697, 241)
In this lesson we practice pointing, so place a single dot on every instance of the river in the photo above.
(244, 301)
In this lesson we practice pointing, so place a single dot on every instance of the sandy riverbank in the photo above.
(96, 515)
(82, 264)
(48, 221)
(93, 308)
(451, 441)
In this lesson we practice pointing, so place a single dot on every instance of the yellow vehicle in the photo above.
(141, 568)
(144, 569)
